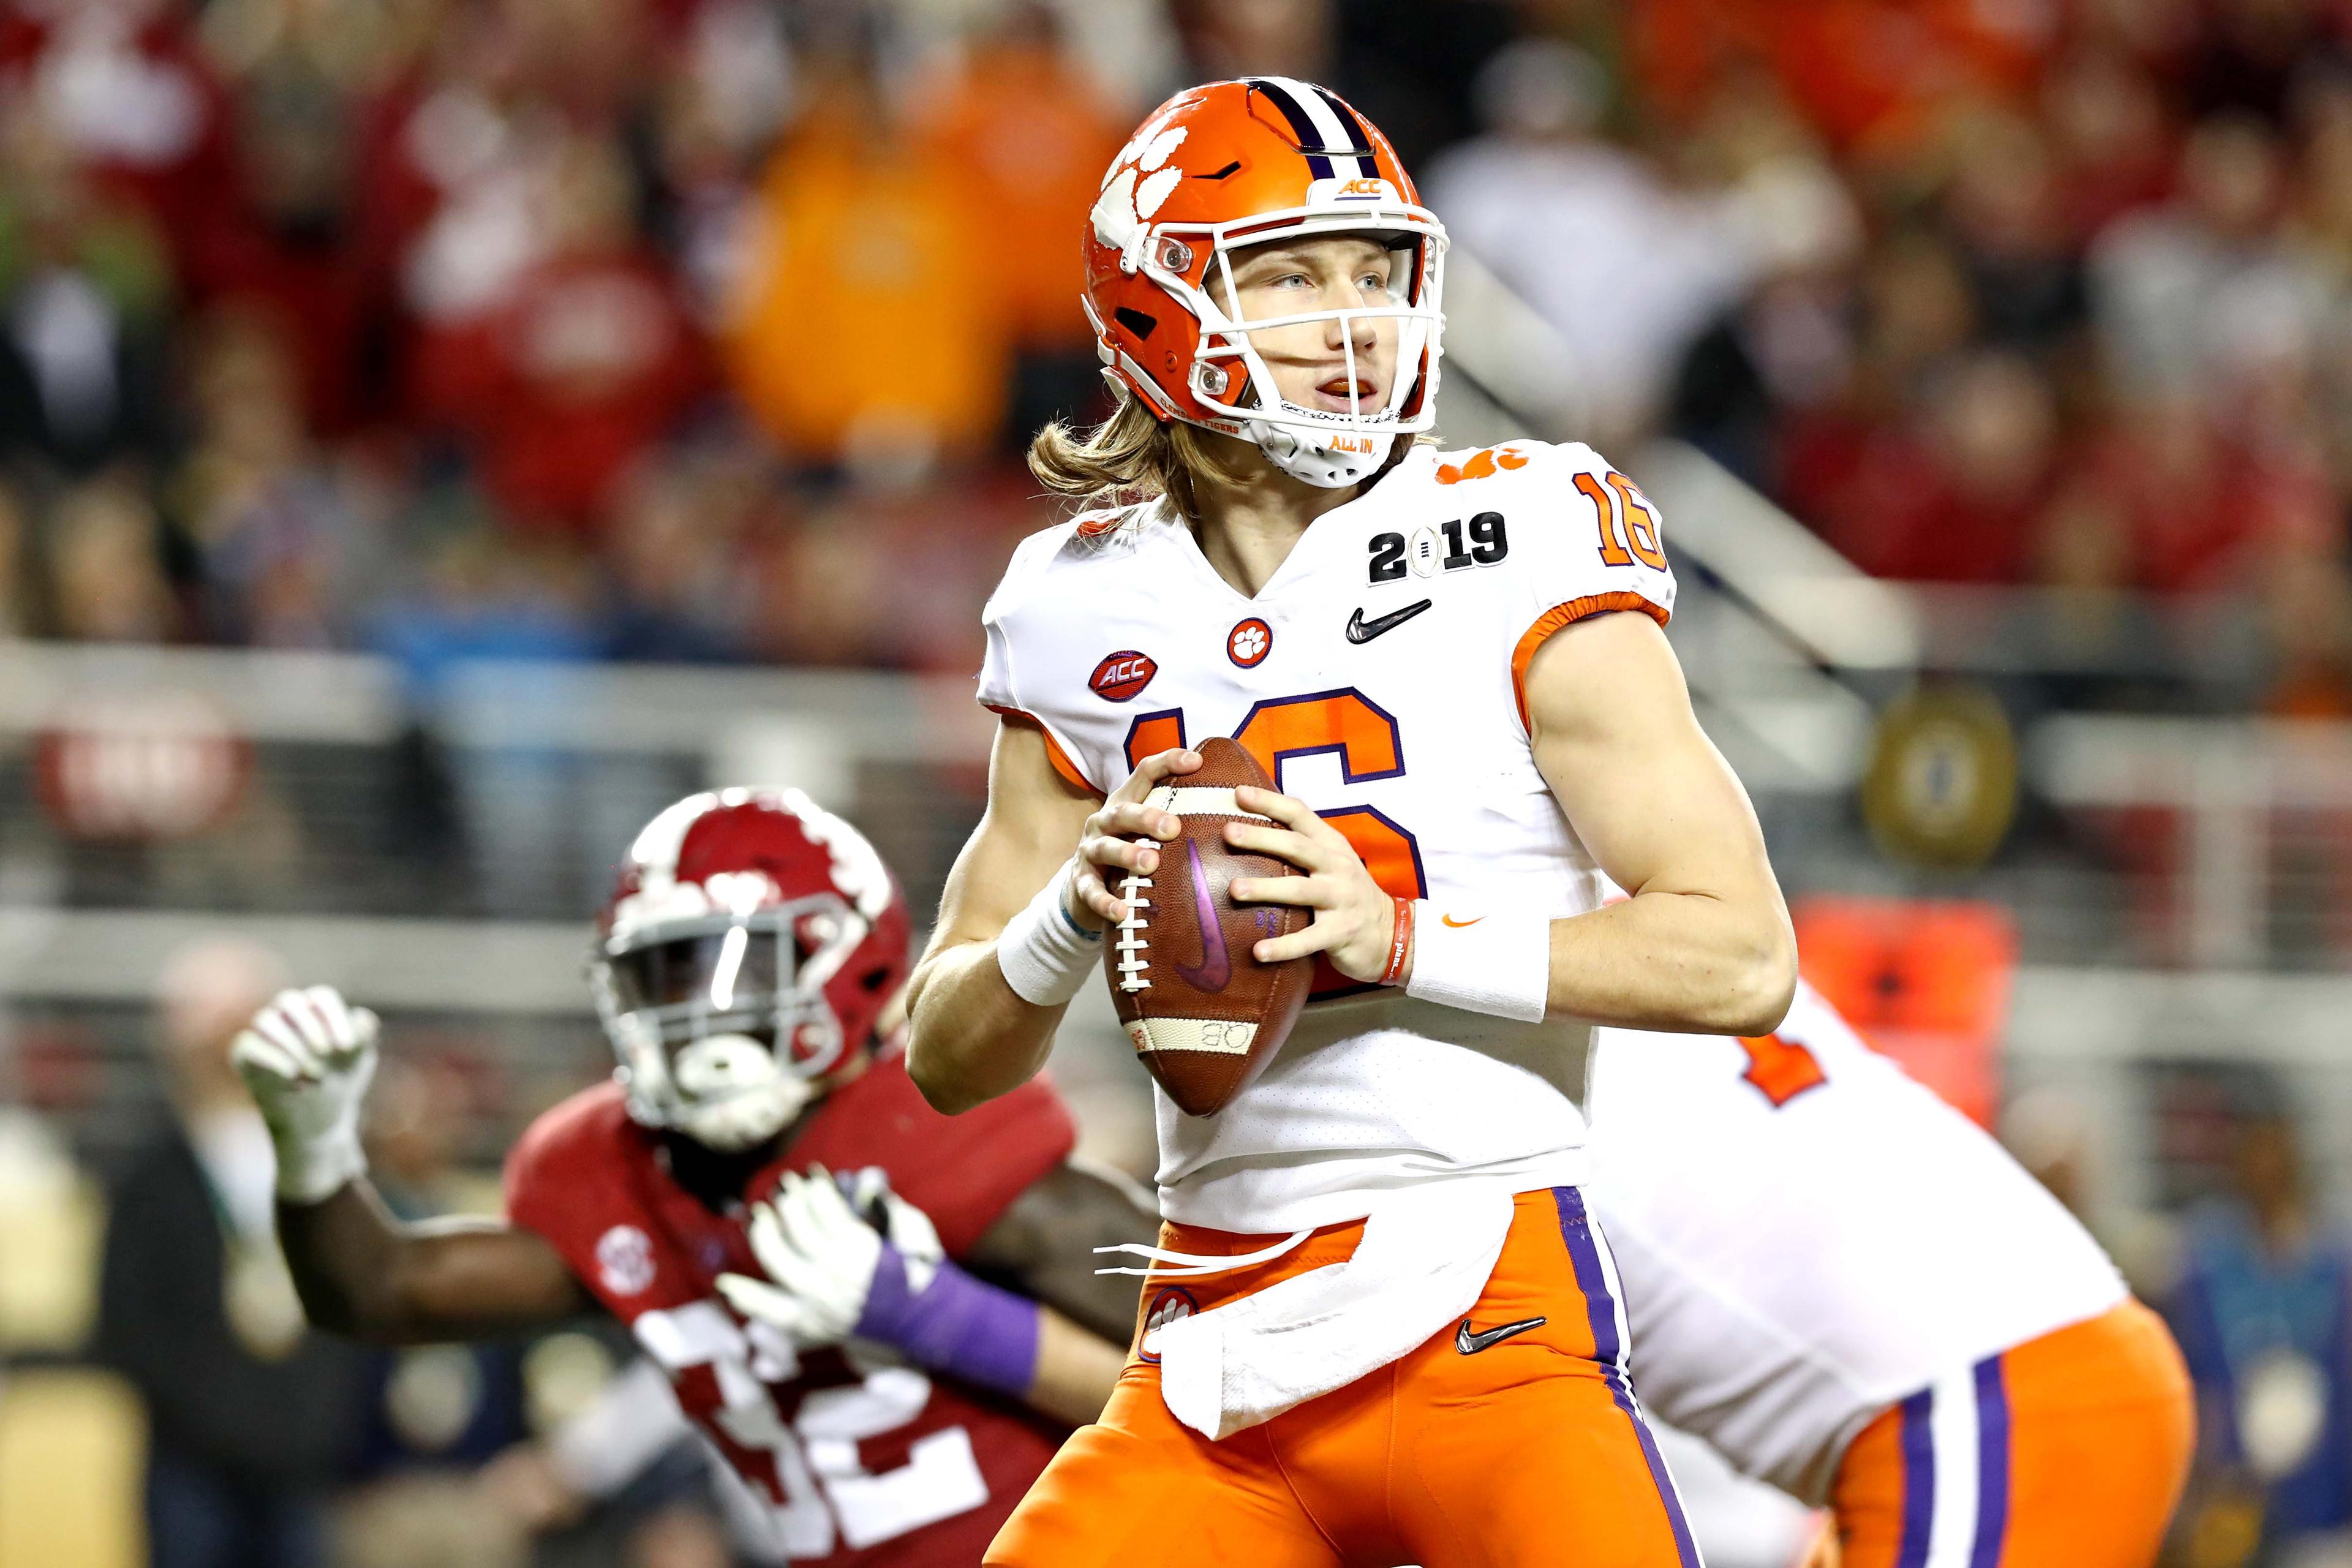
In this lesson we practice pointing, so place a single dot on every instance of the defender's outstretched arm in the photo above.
(362, 1273)
(308, 1058)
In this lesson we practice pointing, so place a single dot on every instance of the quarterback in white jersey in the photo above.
(1451, 664)
(1853, 1292)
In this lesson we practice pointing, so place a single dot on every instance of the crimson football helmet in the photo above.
(1238, 164)
(749, 950)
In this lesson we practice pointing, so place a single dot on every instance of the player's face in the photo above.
(1310, 360)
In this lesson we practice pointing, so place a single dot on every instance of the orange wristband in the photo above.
(1400, 942)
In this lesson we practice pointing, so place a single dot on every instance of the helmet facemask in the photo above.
(721, 1022)
(1231, 378)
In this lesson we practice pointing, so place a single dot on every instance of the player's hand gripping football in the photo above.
(1107, 844)
(1354, 918)
(307, 1058)
(821, 1242)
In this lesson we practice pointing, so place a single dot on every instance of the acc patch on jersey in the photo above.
(1121, 675)
(624, 1260)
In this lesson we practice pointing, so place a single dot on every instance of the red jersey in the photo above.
(852, 1456)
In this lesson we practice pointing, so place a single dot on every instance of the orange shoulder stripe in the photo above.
(1060, 758)
(1565, 614)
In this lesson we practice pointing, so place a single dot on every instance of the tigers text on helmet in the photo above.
(750, 948)
(1219, 168)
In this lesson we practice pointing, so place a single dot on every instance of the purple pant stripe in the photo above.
(1918, 1480)
(1600, 1312)
(1992, 1464)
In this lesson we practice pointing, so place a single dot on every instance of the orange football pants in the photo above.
(2068, 1451)
(1527, 1448)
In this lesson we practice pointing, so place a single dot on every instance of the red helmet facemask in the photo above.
(744, 960)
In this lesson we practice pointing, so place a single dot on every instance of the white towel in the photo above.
(1425, 1255)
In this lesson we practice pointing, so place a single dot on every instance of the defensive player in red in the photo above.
(880, 1404)
(1382, 1326)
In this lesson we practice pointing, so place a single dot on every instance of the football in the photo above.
(1203, 1014)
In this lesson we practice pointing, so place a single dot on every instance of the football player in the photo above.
(1382, 1325)
(1853, 1293)
(879, 1404)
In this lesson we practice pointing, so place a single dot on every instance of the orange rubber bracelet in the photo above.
(1400, 944)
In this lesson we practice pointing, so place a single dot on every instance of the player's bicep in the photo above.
(1609, 720)
(1030, 828)
(464, 1278)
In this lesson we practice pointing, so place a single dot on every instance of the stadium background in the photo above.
(434, 433)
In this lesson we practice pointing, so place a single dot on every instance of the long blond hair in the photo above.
(1134, 456)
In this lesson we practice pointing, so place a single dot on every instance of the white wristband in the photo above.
(1045, 953)
(1498, 964)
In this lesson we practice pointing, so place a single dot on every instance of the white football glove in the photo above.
(307, 1058)
(820, 1253)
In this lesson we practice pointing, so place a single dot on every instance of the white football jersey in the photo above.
(1806, 1236)
(1377, 677)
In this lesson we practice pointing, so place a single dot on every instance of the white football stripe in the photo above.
(1214, 1036)
(1199, 800)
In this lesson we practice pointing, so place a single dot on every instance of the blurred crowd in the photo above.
(710, 330)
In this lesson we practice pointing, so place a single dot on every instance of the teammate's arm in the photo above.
(307, 1058)
(1704, 942)
(971, 1036)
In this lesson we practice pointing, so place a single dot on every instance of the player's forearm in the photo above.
(366, 1275)
(970, 1036)
(1695, 963)
(1076, 1369)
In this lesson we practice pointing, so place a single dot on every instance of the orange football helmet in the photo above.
(1237, 163)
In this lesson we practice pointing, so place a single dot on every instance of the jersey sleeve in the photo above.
(1594, 544)
(1010, 611)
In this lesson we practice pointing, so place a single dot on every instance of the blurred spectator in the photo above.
(1627, 269)
(2003, 209)
(2263, 1313)
(105, 565)
(1954, 492)
(280, 528)
(249, 1414)
(1036, 140)
(874, 328)
(83, 290)
(580, 366)
(124, 87)
(676, 535)
(2189, 294)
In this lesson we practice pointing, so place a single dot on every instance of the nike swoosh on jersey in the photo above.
(1457, 925)
(1217, 967)
(1362, 630)
(1469, 1343)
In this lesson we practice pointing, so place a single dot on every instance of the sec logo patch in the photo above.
(624, 1260)
(1122, 674)
(1248, 643)
(1172, 1304)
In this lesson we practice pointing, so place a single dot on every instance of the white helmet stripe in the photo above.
(1302, 100)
